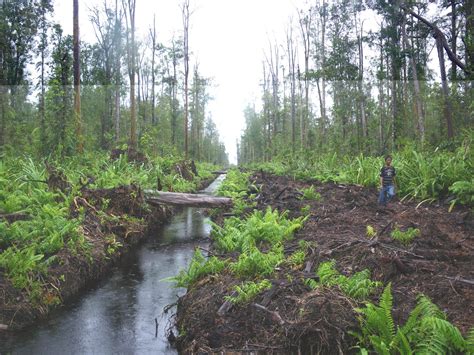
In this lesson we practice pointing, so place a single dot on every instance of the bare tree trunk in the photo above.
(273, 66)
(381, 99)
(301, 114)
(323, 79)
(416, 87)
(266, 117)
(42, 79)
(153, 52)
(453, 39)
(305, 26)
(131, 6)
(77, 78)
(291, 65)
(173, 97)
(444, 85)
(140, 115)
(185, 13)
(117, 41)
(365, 133)
(469, 38)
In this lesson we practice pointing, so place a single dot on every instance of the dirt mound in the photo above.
(295, 318)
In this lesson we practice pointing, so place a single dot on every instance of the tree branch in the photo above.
(437, 33)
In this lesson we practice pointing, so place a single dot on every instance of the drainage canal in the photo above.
(118, 315)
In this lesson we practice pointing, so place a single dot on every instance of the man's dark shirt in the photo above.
(387, 173)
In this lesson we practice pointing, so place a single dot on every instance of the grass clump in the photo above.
(405, 237)
(310, 193)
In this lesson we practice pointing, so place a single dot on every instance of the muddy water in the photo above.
(118, 315)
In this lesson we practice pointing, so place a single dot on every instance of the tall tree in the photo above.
(59, 105)
(18, 27)
(130, 8)
(44, 26)
(291, 52)
(103, 20)
(442, 47)
(117, 54)
(305, 21)
(185, 15)
(420, 114)
(77, 78)
(154, 48)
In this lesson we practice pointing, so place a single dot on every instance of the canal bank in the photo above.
(118, 314)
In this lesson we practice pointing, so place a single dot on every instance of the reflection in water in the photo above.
(118, 316)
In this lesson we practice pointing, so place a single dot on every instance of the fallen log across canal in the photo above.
(185, 199)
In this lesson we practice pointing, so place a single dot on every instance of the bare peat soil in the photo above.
(292, 318)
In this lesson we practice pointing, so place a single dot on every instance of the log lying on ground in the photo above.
(219, 172)
(183, 199)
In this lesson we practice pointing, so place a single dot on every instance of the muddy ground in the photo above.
(296, 319)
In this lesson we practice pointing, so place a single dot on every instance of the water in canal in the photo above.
(118, 315)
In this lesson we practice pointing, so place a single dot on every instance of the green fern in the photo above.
(358, 286)
(198, 268)
(405, 237)
(470, 341)
(247, 291)
(252, 262)
(426, 331)
(269, 227)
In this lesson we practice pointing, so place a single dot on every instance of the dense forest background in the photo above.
(351, 77)
(367, 77)
(133, 92)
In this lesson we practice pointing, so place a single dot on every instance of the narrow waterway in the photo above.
(118, 315)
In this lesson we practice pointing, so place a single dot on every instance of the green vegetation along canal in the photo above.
(118, 315)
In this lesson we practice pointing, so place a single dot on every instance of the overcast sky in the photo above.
(227, 37)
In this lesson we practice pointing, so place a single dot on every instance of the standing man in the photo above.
(387, 182)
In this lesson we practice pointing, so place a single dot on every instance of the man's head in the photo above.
(388, 160)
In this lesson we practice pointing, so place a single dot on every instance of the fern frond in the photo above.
(428, 308)
(439, 336)
(470, 341)
(386, 303)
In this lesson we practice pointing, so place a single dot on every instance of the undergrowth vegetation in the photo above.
(405, 237)
(247, 291)
(358, 286)
(253, 250)
(257, 240)
(269, 227)
(200, 266)
(420, 175)
(237, 186)
(425, 332)
(30, 245)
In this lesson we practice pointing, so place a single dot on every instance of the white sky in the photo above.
(227, 37)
